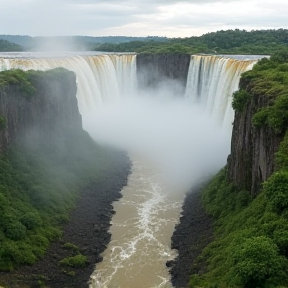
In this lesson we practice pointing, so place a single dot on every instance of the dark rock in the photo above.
(153, 70)
(169, 263)
(53, 108)
(81, 232)
(252, 158)
(193, 233)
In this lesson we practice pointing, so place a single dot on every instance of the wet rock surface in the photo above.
(163, 70)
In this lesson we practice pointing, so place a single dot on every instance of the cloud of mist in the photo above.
(180, 139)
(55, 44)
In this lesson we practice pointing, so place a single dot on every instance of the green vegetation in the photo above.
(37, 191)
(6, 46)
(150, 47)
(268, 79)
(70, 246)
(251, 235)
(240, 99)
(20, 79)
(76, 43)
(259, 42)
(39, 183)
(2, 123)
(74, 261)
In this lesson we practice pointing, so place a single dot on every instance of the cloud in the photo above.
(170, 18)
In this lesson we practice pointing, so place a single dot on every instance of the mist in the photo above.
(178, 137)
(56, 44)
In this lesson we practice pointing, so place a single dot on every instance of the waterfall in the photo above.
(100, 78)
(211, 82)
(169, 143)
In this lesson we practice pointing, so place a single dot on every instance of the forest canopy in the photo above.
(260, 42)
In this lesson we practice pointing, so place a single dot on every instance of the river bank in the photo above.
(87, 229)
(192, 234)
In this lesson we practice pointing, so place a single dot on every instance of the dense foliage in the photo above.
(251, 235)
(269, 79)
(260, 42)
(6, 46)
(19, 78)
(40, 179)
(38, 188)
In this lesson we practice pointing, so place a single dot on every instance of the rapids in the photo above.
(141, 231)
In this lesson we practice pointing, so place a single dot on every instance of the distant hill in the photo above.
(262, 42)
(6, 46)
(22, 40)
(234, 41)
(73, 42)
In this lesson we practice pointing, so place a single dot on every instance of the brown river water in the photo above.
(141, 233)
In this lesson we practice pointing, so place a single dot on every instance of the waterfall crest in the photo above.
(211, 82)
(100, 78)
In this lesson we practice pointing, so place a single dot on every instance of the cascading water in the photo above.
(212, 80)
(99, 78)
(159, 129)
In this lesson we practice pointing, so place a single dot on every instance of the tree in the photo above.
(258, 263)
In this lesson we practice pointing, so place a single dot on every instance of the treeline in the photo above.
(261, 42)
(6, 46)
(73, 42)
(250, 247)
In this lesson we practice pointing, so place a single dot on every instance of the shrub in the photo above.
(260, 117)
(75, 261)
(278, 114)
(20, 78)
(240, 99)
(12, 252)
(15, 231)
(276, 190)
(70, 246)
(31, 220)
(257, 262)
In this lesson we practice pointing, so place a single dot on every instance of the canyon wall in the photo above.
(154, 70)
(252, 158)
(49, 106)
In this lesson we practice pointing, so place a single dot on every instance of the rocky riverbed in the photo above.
(193, 233)
(87, 229)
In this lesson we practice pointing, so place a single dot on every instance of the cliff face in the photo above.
(252, 158)
(50, 109)
(154, 69)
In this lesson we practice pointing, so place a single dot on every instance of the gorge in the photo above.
(126, 101)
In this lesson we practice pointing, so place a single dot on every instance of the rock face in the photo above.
(48, 117)
(252, 158)
(153, 70)
(52, 108)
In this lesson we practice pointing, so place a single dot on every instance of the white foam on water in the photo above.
(139, 247)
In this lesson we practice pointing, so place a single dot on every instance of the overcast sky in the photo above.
(169, 18)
